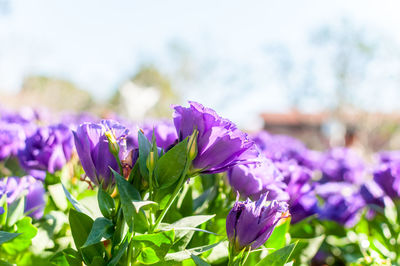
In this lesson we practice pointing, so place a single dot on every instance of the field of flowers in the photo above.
(77, 190)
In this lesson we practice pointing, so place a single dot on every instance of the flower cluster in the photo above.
(154, 183)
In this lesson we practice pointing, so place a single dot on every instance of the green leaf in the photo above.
(59, 259)
(81, 225)
(306, 249)
(106, 203)
(186, 204)
(97, 261)
(153, 247)
(187, 224)
(279, 257)
(56, 193)
(198, 261)
(27, 231)
(144, 150)
(79, 207)
(6, 236)
(186, 254)
(121, 250)
(171, 165)
(128, 195)
(102, 227)
(73, 257)
(277, 239)
(15, 211)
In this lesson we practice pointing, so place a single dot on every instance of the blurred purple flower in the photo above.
(48, 149)
(220, 144)
(12, 139)
(16, 187)
(252, 223)
(302, 199)
(281, 148)
(93, 150)
(342, 164)
(342, 203)
(373, 195)
(253, 180)
(388, 156)
(387, 176)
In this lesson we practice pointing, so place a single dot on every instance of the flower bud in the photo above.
(150, 162)
(192, 145)
(250, 224)
(112, 142)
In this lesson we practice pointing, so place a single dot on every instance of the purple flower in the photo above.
(16, 187)
(252, 180)
(388, 156)
(342, 203)
(164, 132)
(93, 150)
(387, 176)
(302, 199)
(342, 164)
(220, 144)
(12, 138)
(373, 195)
(48, 149)
(280, 147)
(250, 224)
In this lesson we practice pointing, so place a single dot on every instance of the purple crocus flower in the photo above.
(12, 138)
(220, 144)
(253, 180)
(342, 203)
(342, 164)
(48, 149)
(15, 187)
(93, 150)
(250, 224)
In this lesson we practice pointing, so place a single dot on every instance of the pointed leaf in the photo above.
(186, 254)
(171, 165)
(198, 261)
(6, 236)
(79, 207)
(144, 150)
(106, 203)
(279, 257)
(128, 194)
(15, 211)
(189, 222)
(102, 227)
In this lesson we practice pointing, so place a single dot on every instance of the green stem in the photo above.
(245, 257)
(231, 255)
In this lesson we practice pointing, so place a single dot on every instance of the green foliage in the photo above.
(171, 165)
(106, 203)
(279, 257)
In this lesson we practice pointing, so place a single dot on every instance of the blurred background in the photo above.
(325, 72)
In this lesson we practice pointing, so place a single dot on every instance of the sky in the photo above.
(98, 44)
